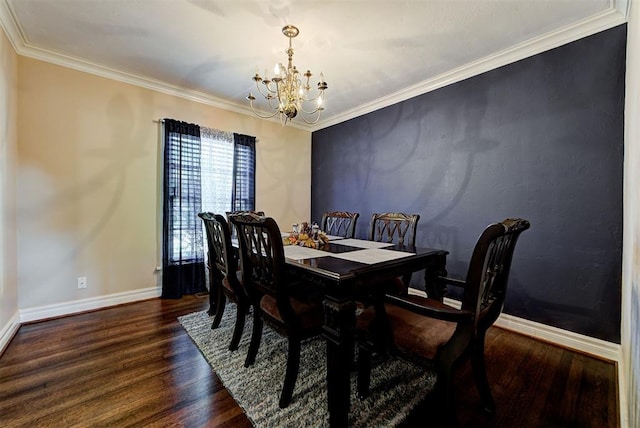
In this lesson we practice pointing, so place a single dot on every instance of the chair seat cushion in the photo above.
(413, 333)
(310, 314)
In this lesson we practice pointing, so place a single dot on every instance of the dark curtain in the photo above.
(244, 167)
(182, 240)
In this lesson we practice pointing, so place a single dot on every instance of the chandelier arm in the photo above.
(315, 108)
(260, 115)
(310, 111)
(315, 97)
(264, 94)
(313, 121)
(270, 89)
(277, 106)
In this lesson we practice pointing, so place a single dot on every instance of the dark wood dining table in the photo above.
(346, 269)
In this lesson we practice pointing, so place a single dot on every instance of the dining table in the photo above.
(347, 269)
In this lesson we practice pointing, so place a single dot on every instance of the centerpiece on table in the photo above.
(306, 236)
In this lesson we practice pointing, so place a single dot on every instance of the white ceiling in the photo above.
(372, 53)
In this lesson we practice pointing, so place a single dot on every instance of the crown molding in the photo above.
(138, 80)
(10, 26)
(17, 39)
(616, 14)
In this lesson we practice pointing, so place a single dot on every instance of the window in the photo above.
(217, 170)
(204, 170)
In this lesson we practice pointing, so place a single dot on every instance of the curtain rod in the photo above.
(162, 121)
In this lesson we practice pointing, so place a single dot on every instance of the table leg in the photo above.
(339, 316)
(435, 288)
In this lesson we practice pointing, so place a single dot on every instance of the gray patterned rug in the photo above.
(396, 386)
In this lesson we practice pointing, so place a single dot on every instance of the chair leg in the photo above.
(239, 327)
(256, 337)
(444, 391)
(220, 304)
(212, 294)
(293, 365)
(212, 302)
(364, 371)
(480, 374)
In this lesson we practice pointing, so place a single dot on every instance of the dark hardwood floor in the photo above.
(134, 365)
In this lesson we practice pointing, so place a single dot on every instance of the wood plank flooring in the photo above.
(134, 365)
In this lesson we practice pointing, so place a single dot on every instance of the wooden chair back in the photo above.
(232, 213)
(221, 253)
(394, 227)
(488, 273)
(339, 223)
(261, 254)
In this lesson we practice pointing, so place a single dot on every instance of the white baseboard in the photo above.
(557, 336)
(8, 331)
(567, 339)
(564, 338)
(623, 385)
(68, 308)
(92, 303)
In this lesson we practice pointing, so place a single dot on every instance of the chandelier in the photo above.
(288, 93)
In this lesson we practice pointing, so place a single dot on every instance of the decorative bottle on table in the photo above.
(315, 232)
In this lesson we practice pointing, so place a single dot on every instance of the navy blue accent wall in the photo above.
(541, 139)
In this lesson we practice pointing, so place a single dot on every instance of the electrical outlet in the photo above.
(82, 282)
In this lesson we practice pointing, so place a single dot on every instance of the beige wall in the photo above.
(88, 179)
(8, 141)
(630, 368)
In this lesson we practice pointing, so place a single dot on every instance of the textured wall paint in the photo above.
(541, 139)
(88, 179)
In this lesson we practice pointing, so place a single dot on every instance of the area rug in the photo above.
(396, 386)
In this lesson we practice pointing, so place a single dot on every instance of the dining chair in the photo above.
(427, 330)
(397, 228)
(292, 309)
(223, 275)
(339, 223)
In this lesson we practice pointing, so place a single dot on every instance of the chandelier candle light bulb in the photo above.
(286, 94)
